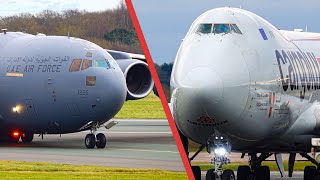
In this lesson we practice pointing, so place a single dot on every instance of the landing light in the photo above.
(220, 151)
(16, 109)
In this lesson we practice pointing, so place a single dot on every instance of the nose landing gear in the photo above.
(218, 146)
(92, 140)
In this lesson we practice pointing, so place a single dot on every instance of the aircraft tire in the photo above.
(243, 172)
(196, 172)
(27, 137)
(309, 173)
(12, 139)
(211, 175)
(90, 141)
(101, 141)
(262, 172)
(228, 174)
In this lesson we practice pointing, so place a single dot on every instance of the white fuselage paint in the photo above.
(260, 92)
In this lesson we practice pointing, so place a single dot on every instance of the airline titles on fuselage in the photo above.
(298, 70)
(27, 64)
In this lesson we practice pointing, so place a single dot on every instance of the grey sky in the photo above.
(165, 22)
(11, 7)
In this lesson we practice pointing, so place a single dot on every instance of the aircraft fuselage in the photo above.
(52, 84)
(256, 85)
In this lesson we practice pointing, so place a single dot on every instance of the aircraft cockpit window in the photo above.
(207, 28)
(221, 28)
(235, 29)
(101, 63)
(75, 65)
(204, 28)
(86, 64)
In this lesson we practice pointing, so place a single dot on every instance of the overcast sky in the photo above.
(11, 7)
(165, 22)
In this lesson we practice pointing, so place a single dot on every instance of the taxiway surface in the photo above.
(133, 143)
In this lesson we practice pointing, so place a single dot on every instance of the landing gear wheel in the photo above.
(101, 141)
(310, 172)
(211, 175)
(13, 139)
(90, 141)
(243, 172)
(228, 175)
(27, 137)
(262, 172)
(196, 172)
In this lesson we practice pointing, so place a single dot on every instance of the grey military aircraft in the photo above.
(61, 84)
(240, 84)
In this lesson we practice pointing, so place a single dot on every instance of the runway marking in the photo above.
(145, 150)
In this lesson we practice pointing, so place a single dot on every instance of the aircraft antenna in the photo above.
(306, 28)
(241, 5)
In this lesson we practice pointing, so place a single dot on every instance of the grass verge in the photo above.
(146, 108)
(31, 170)
(299, 165)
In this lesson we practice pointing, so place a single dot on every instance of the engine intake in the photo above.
(138, 78)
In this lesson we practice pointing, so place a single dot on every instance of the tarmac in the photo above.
(132, 143)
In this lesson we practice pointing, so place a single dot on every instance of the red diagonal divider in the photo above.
(162, 96)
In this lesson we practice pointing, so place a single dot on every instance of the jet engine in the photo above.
(138, 78)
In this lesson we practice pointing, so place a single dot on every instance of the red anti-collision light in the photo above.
(15, 134)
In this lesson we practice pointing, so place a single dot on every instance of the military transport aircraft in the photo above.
(240, 84)
(61, 84)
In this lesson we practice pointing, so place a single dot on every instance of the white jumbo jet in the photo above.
(240, 84)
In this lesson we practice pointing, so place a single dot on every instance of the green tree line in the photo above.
(110, 29)
(164, 73)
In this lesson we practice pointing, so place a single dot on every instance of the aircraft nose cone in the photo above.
(204, 81)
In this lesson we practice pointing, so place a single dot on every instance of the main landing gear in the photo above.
(218, 147)
(255, 170)
(311, 172)
(14, 137)
(92, 140)
(27, 137)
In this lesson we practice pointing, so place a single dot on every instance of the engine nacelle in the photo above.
(138, 78)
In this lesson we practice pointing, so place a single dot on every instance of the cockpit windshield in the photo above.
(207, 28)
(101, 63)
(204, 28)
(221, 28)
(85, 64)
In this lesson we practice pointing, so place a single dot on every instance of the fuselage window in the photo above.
(86, 64)
(75, 65)
(101, 63)
(204, 28)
